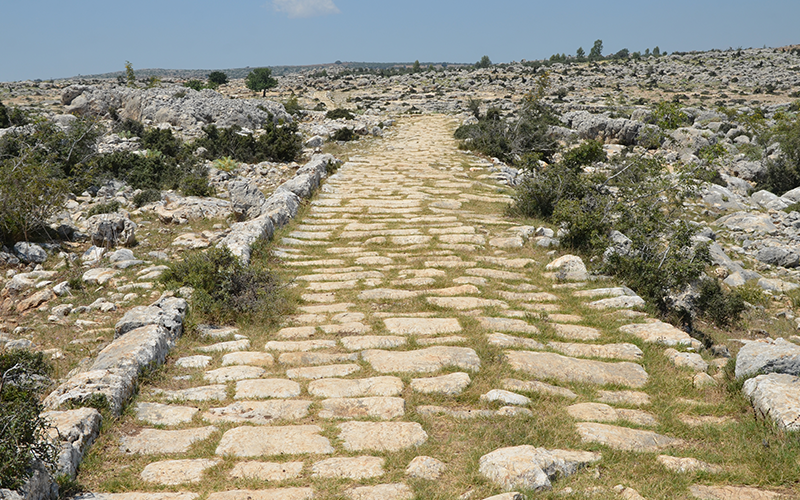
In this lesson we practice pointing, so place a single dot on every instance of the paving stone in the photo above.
(599, 412)
(137, 496)
(360, 343)
(231, 345)
(317, 372)
(464, 303)
(374, 261)
(625, 351)
(345, 328)
(319, 297)
(604, 292)
(267, 388)
(259, 412)
(252, 441)
(507, 242)
(160, 414)
(423, 467)
(462, 413)
(297, 332)
(155, 441)
(623, 302)
(536, 386)
(172, 472)
(506, 397)
(506, 325)
(635, 398)
(532, 468)
(700, 420)
(315, 358)
(422, 326)
(348, 317)
(364, 467)
(731, 493)
(248, 358)
(198, 361)
(349, 388)
(202, 393)
(564, 368)
(625, 438)
(419, 282)
(230, 373)
(658, 332)
(383, 408)
(266, 471)
(528, 297)
(394, 491)
(387, 294)
(327, 308)
(299, 345)
(473, 239)
(410, 240)
(777, 396)
(690, 360)
(270, 494)
(768, 356)
(576, 332)
(426, 360)
(381, 436)
(450, 384)
(687, 465)
(564, 318)
(503, 340)
(449, 339)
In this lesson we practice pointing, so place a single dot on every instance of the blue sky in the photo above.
(53, 39)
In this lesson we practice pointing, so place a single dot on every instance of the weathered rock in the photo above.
(360, 343)
(273, 440)
(777, 396)
(768, 356)
(248, 358)
(75, 431)
(172, 472)
(425, 360)
(569, 268)
(363, 467)
(555, 366)
(506, 397)
(423, 467)
(259, 412)
(167, 312)
(687, 465)
(247, 200)
(243, 235)
(383, 408)
(464, 303)
(30, 252)
(231, 373)
(202, 393)
(507, 325)
(99, 275)
(615, 351)
(625, 438)
(281, 208)
(110, 230)
(342, 388)
(599, 412)
(155, 441)
(658, 332)
(161, 414)
(532, 468)
(731, 493)
(394, 491)
(778, 257)
(450, 384)
(230, 345)
(422, 326)
(536, 386)
(267, 471)
(267, 388)
(686, 359)
(381, 436)
(636, 398)
(270, 494)
(317, 372)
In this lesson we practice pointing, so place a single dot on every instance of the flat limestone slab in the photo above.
(231, 373)
(160, 414)
(259, 412)
(266, 471)
(731, 493)
(394, 491)
(315, 358)
(171, 472)
(138, 496)
(624, 438)
(599, 412)
(687, 465)
(299, 345)
(383, 408)
(535, 386)
(658, 332)
(426, 360)
(381, 436)
(248, 358)
(359, 343)
(532, 468)
(636, 398)
(351, 468)
(271, 494)
(273, 440)
(625, 351)
(558, 367)
(504, 340)
(317, 372)
(387, 294)
(202, 393)
(776, 395)
(231, 345)
(465, 303)
(507, 325)
(267, 388)
(576, 331)
(350, 388)
(450, 384)
(422, 326)
(152, 441)
(423, 467)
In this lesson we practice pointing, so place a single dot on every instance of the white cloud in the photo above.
(305, 8)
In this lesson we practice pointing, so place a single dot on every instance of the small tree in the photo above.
(416, 68)
(261, 79)
(130, 76)
(656, 51)
(580, 54)
(216, 78)
(597, 51)
(485, 62)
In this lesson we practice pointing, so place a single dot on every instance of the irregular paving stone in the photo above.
(532, 468)
(555, 366)
(217, 332)
(599, 412)
(450, 339)
(153, 441)
(198, 361)
(372, 342)
(387, 294)
(230, 373)
(343, 388)
(624, 438)
(684, 465)
(469, 413)
(248, 358)
(381, 436)
(423, 467)
(450, 384)
(267, 471)
(317, 372)
(300, 345)
(345, 328)
(506, 397)
(393, 491)
(768, 356)
(273, 440)
(384, 408)
(686, 360)
(231, 345)
(731, 493)
(160, 414)
(271, 494)
(658, 332)
(496, 274)
(464, 303)
(503, 340)
(624, 397)
(267, 388)
(536, 386)
(73, 431)
(425, 360)
(528, 297)
(203, 393)
(314, 358)
(422, 326)
(507, 325)
(137, 496)
(297, 332)
(259, 412)
(350, 467)
(576, 331)
(623, 302)
(777, 396)
(614, 351)
(171, 472)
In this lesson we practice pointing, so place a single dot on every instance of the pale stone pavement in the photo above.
(419, 298)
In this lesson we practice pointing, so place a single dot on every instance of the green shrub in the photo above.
(217, 78)
(104, 208)
(275, 143)
(24, 432)
(721, 307)
(11, 117)
(225, 290)
(129, 127)
(344, 134)
(587, 153)
(338, 113)
(195, 84)
(226, 164)
(292, 106)
(783, 173)
(161, 140)
(195, 183)
(538, 194)
(146, 196)
(260, 79)
(668, 116)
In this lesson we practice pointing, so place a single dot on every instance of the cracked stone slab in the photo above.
(450, 384)
(599, 412)
(270, 494)
(172, 472)
(426, 360)
(636, 398)
(259, 412)
(576, 331)
(658, 332)
(161, 414)
(539, 387)
(507, 325)
(625, 438)
(496, 274)
(350, 388)
(687, 465)
(248, 358)
(768, 356)
(507, 397)
(423, 467)
(315, 358)
(394, 491)
(422, 326)
(273, 440)
(503, 340)
(625, 351)
(327, 371)
(154, 441)
(690, 360)
(555, 366)
(231, 373)
(532, 468)
(465, 303)
(731, 493)
(387, 294)
(469, 413)
(230, 345)
(198, 361)
(202, 393)
(381, 436)
(360, 343)
(266, 471)
(777, 396)
(383, 408)
(299, 345)
(528, 296)
(364, 467)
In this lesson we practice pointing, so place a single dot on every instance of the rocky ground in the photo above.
(438, 350)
